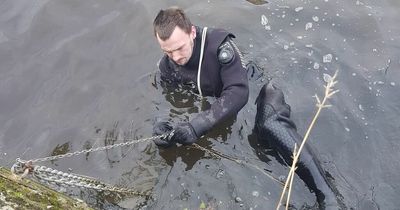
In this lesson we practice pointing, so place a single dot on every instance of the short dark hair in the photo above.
(166, 21)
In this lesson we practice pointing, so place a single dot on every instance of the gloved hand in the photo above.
(253, 71)
(184, 133)
(161, 128)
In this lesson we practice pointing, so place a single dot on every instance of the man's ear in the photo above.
(193, 32)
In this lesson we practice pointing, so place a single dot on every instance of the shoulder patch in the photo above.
(226, 53)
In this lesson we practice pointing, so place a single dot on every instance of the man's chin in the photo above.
(181, 63)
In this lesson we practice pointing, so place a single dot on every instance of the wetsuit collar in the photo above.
(194, 59)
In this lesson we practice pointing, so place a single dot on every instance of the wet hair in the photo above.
(166, 21)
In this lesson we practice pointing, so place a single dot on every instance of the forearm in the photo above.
(226, 106)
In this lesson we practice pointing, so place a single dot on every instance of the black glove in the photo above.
(184, 133)
(161, 128)
(253, 71)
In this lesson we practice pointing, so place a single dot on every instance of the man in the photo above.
(213, 67)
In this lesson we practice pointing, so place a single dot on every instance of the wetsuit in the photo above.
(222, 75)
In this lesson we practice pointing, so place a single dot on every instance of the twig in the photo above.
(292, 176)
(387, 67)
(329, 92)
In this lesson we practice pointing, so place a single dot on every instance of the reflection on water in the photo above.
(76, 75)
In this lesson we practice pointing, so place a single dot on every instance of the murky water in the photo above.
(81, 74)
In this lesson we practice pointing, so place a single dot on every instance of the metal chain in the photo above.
(54, 176)
(75, 180)
(56, 157)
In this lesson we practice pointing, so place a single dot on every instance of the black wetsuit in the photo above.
(229, 83)
(226, 80)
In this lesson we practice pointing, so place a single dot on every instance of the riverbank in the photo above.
(16, 193)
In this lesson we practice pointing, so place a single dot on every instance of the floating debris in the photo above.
(387, 66)
(361, 108)
(220, 173)
(285, 47)
(315, 18)
(202, 205)
(347, 129)
(264, 20)
(308, 25)
(316, 66)
(298, 9)
(238, 199)
(327, 58)
(393, 84)
(255, 193)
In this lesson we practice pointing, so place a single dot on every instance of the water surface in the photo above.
(76, 75)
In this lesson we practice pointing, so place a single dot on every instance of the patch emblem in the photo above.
(225, 53)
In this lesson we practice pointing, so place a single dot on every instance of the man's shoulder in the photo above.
(211, 31)
(216, 37)
(220, 32)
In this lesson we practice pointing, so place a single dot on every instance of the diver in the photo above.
(208, 62)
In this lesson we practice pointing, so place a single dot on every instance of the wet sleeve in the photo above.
(234, 96)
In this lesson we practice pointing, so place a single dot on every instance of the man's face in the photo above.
(179, 46)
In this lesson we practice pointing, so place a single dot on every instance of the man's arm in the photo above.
(234, 95)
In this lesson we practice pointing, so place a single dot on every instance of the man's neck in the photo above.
(194, 59)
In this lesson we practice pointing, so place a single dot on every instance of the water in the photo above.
(76, 75)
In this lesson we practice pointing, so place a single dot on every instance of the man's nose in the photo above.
(176, 56)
